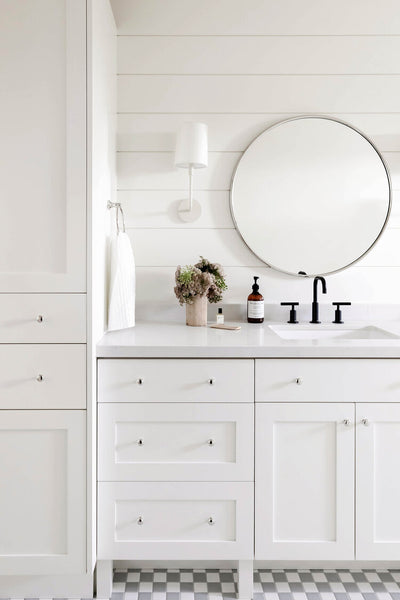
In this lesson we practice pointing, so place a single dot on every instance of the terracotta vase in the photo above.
(196, 313)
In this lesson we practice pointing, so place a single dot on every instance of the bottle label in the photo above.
(255, 309)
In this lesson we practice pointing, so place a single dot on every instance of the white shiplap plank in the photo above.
(156, 171)
(170, 247)
(394, 220)
(233, 132)
(187, 55)
(386, 252)
(392, 160)
(159, 209)
(253, 93)
(356, 284)
(256, 17)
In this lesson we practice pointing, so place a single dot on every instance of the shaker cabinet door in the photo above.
(43, 492)
(43, 147)
(378, 482)
(304, 481)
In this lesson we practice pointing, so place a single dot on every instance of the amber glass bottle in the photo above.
(255, 305)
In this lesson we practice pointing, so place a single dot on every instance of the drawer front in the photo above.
(176, 442)
(42, 318)
(42, 376)
(175, 521)
(175, 380)
(328, 380)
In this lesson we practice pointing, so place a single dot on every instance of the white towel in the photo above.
(121, 307)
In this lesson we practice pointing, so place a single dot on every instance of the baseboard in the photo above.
(45, 586)
(258, 564)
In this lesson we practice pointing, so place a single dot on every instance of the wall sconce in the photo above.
(191, 152)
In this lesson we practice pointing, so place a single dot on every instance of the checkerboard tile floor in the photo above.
(210, 584)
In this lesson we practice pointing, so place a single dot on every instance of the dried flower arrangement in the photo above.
(202, 279)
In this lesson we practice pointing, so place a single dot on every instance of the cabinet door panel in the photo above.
(304, 481)
(43, 146)
(43, 499)
(378, 482)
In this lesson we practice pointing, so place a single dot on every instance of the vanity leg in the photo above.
(245, 580)
(104, 579)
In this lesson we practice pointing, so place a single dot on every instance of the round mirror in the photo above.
(310, 196)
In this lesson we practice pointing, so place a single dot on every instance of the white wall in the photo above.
(240, 65)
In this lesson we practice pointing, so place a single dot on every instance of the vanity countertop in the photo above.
(176, 340)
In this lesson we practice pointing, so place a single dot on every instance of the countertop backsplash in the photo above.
(164, 312)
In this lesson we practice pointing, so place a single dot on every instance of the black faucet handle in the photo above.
(338, 312)
(293, 313)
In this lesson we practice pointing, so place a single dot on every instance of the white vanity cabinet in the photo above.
(180, 449)
(176, 462)
(311, 456)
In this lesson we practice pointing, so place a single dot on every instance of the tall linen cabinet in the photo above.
(51, 61)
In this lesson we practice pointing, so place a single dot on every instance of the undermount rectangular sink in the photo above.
(320, 332)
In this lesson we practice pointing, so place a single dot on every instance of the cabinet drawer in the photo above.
(43, 376)
(175, 521)
(328, 380)
(176, 442)
(42, 318)
(175, 380)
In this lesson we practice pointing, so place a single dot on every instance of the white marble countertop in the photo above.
(175, 339)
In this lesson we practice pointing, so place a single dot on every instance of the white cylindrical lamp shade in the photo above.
(192, 146)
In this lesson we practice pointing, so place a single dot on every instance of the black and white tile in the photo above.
(275, 584)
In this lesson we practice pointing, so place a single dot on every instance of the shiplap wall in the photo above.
(239, 66)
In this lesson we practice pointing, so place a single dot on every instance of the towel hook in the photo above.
(118, 206)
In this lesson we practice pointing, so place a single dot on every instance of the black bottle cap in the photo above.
(255, 286)
(220, 311)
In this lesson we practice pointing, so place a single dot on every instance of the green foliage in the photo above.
(186, 274)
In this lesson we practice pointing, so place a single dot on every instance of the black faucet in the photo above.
(315, 305)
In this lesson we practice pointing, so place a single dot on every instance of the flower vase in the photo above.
(196, 313)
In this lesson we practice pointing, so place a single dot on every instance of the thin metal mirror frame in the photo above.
(327, 118)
